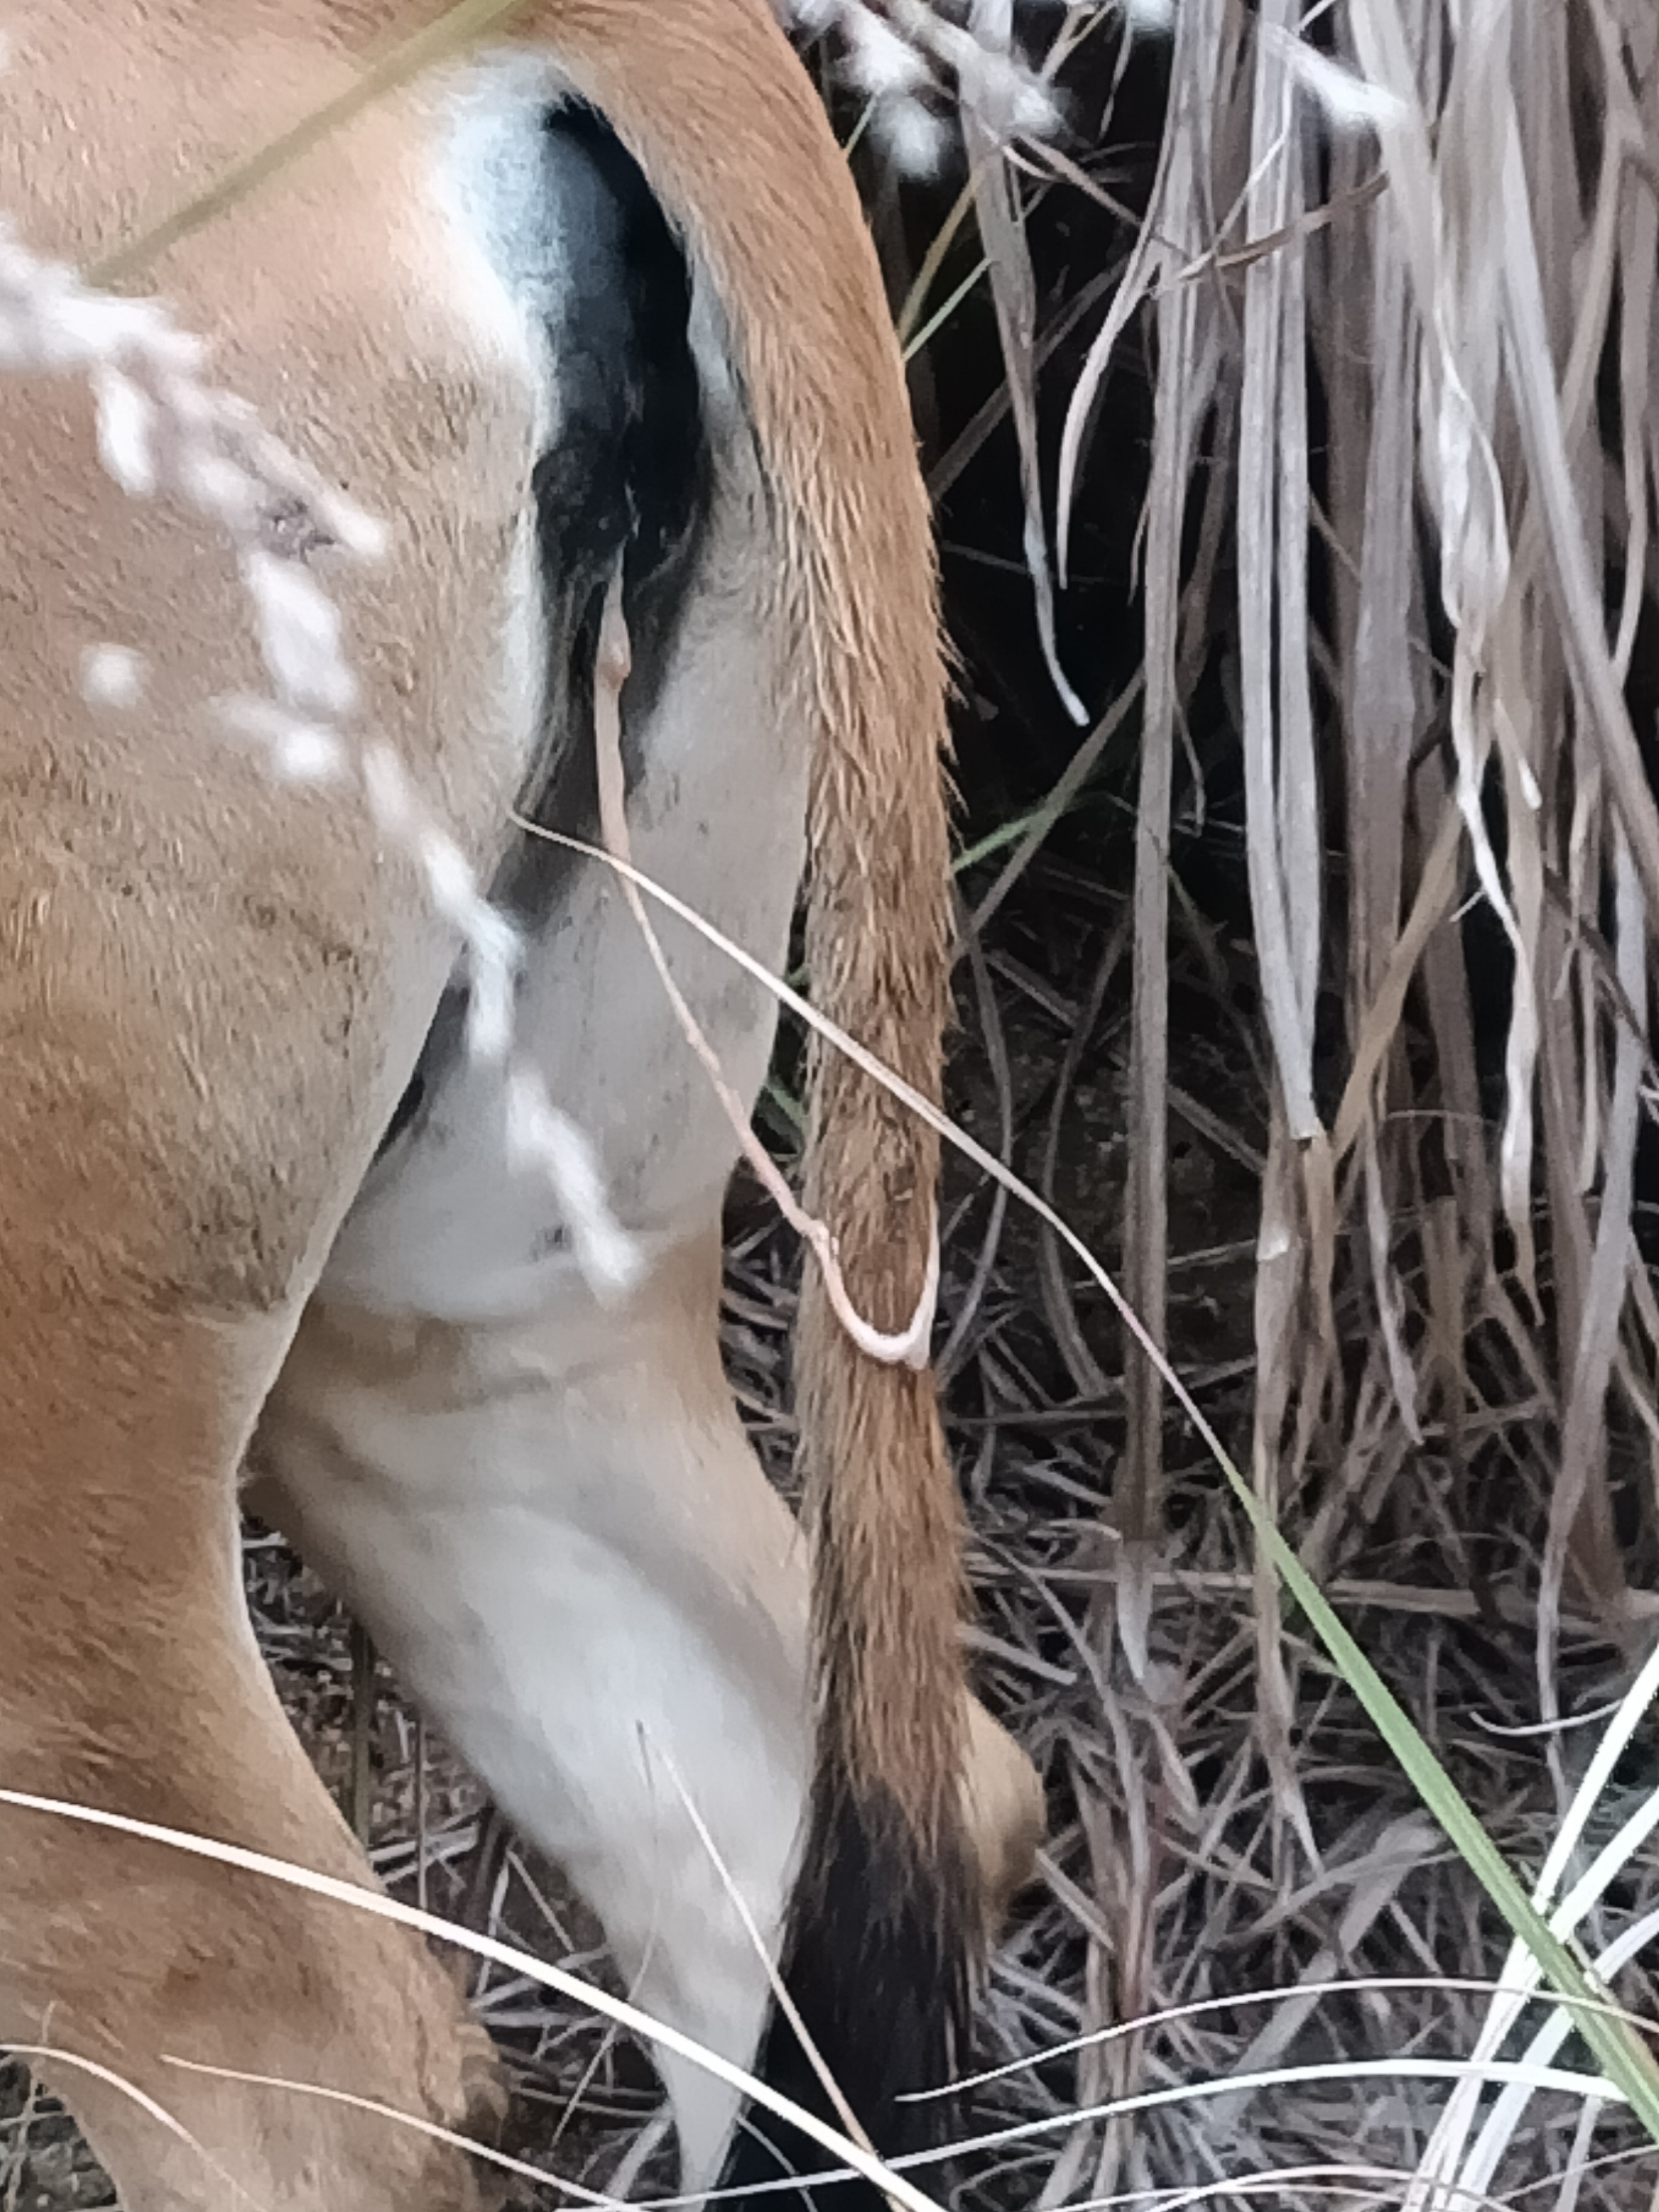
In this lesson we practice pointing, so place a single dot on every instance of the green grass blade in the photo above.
(1624, 2057)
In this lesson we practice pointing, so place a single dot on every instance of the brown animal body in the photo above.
(597, 300)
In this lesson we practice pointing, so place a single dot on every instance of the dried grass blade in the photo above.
(1381, 713)
(1577, 590)
(1179, 402)
(1583, 1441)
(1282, 838)
(1013, 291)
(1260, 410)
(1147, 261)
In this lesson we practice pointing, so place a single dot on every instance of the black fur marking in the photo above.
(444, 1042)
(878, 1961)
(582, 241)
(404, 1113)
(626, 479)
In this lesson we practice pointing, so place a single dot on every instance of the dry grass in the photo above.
(1392, 294)
(1372, 355)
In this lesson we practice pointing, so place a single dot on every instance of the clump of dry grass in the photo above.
(1393, 285)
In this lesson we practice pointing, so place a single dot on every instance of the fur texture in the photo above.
(215, 992)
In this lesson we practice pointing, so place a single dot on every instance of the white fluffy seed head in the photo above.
(811, 18)
(219, 488)
(493, 946)
(385, 787)
(490, 1014)
(299, 634)
(297, 749)
(1347, 102)
(449, 876)
(127, 420)
(309, 755)
(908, 55)
(365, 536)
(112, 676)
(914, 139)
(538, 1136)
(882, 64)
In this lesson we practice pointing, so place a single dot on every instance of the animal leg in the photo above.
(133, 1684)
(558, 1533)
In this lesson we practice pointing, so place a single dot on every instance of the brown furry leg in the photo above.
(131, 1683)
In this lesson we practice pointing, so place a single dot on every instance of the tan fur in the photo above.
(210, 994)
(208, 990)
(704, 106)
